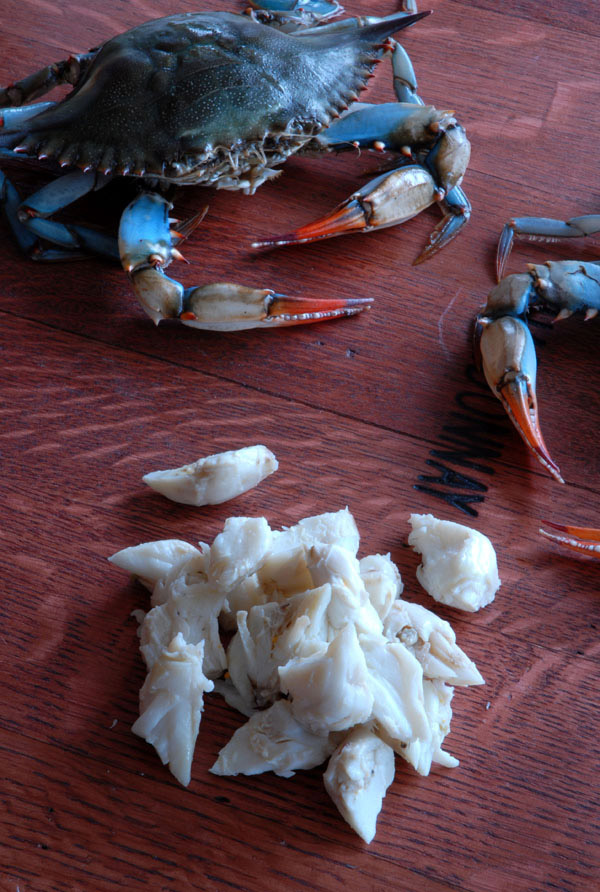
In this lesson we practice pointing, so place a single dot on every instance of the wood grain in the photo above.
(384, 413)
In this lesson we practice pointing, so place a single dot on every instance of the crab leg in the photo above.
(29, 223)
(542, 229)
(584, 540)
(146, 248)
(414, 133)
(68, 71)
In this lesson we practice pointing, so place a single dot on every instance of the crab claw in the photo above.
(391, 198)
(509, 364)
(584, 540)
(224, 306)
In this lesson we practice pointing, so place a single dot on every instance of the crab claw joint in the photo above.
(224, 306)
(509, 364)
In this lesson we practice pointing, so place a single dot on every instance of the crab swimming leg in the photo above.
(147, 245)
(433, 153)
(584, 540)
(542, 229)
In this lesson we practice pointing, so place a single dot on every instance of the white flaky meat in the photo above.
(432, 641)
(382, 581)
(171, 703)
(350, 601)
(272, 740)
(189, 570)
(332, 528)
(216, 478)
(330, 690)
(239, 550)
(422, 752)
(395, 679)
(192, 611)
(357, 777)
(250, 662)
(151, 561)
(459, 566)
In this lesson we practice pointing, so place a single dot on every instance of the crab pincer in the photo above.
(583, 540)
(505, 344)
(147, 246)
(430, 154)
(510, 365)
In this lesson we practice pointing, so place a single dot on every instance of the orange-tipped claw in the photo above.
(391, 198)
(583, 540)
(509, 365)
(285, 310)
(346, 217)
(225, 306)
(519, 400)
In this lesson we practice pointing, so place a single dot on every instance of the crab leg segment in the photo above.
(32, 228)
(68, 71)
(542, 229)
(584, 540)
(146, 248)
(433, 152)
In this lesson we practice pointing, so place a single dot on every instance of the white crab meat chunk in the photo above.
(269, 636)
(432, 641)
(332, 528)
(272, 740)
(171, 703)
(245, 594)
(357, 777)
(285, 573)
(151, 561)
(422, 752)
(239, 550)
(330, 690)
(250, 663)
(382, 581)
(349, 598)
(396, 682)
(216, 478)
(305, 629)
(190, 570)
(459, 566)
(192, 611)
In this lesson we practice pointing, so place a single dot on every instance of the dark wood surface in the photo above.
(359, 413)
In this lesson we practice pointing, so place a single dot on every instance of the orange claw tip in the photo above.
(347, 217)
(187, 315)
(286, 310)
(521, 406)
(585, 540)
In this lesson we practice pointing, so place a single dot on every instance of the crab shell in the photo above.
(207, 98)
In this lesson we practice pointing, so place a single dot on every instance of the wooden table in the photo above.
(383, 413)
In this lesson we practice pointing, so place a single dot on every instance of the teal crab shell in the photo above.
(211, 97)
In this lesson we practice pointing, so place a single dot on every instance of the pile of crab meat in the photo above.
(325, 659)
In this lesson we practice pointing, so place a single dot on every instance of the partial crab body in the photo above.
(506, 346)
(222, 100)
(204, 98)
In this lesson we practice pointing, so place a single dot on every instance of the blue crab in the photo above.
(506, 347)
(222, 100)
